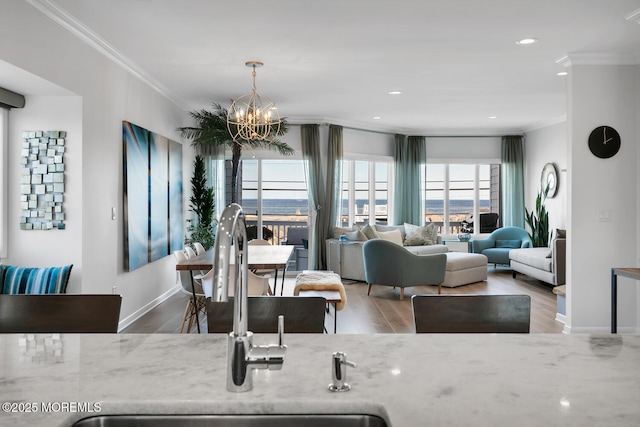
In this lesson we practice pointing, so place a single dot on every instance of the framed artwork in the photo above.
(153, 223)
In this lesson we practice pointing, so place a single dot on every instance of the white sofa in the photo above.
(345, 257)
(546, 264)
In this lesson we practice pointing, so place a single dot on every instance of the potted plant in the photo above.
(211, 129)
(538, 221)
(203, 229)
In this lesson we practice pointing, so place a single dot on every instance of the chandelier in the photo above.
(253, 117)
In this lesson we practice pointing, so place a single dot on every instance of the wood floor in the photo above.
(382, 311)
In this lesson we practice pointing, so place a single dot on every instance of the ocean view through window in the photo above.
(456, 193)
(274, 197)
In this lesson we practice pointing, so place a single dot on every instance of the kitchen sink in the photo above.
(306, 420)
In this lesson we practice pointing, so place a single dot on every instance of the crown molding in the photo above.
(572, 59)
(60, 16)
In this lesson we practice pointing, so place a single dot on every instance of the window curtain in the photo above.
(409, 159)
(334, 181)
(310, 137)
(512, 181)
(213, 156)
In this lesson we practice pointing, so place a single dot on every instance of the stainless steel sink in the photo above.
(307, 420)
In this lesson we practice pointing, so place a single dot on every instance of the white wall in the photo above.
(542, 146)
(109, 94)
(601, 95)
(46, 248)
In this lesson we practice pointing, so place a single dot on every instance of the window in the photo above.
(4, 177)
(365, 192)
(455, 193)
(274, 197)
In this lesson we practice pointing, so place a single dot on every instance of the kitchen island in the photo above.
(409, 380)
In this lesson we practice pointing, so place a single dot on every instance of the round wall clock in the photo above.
(604, 142)
(549, 177)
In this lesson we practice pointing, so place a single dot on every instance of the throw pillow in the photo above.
(508, 243)
(392, 236)
(380, 228)
(370, 232)
(357, 236)
(22, 280)
(420, 236)
(561, 234)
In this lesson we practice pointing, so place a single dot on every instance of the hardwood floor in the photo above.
(382, 311)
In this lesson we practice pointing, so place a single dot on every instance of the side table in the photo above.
(458, 245)
(632, 273)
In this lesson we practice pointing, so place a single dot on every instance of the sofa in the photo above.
(500, 242)
(547, 263)
(346, 258)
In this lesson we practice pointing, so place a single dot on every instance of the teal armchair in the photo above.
(496, 247)
(386, 263)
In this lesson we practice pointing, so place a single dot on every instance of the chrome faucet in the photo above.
(242, 355)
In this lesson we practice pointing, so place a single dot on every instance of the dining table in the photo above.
(259, 257)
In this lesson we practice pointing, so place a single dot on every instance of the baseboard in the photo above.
(600, 330)
(147, 308)
(561, 318)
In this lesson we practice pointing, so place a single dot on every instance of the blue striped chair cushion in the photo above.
(24, 280)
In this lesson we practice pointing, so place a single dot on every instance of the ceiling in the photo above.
(456, 62)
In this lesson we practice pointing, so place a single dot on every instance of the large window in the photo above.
(365, 192)
(274, 197)
(457, 193)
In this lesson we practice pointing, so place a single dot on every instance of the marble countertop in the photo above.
(440, 380)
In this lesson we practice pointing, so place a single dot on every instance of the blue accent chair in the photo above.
(386, 263)
(496, 247)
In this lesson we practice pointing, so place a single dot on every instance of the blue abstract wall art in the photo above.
(153, 223)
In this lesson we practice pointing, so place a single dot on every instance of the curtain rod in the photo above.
(426, 136)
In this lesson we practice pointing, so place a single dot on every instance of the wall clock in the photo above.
(604, 142)
(549, 177)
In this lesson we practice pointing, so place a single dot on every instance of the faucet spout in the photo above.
(242, 355)
(232, 227)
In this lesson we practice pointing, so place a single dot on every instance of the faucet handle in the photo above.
(281, 331)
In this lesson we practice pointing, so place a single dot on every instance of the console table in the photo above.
(632, 273)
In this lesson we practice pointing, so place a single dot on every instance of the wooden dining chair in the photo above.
(471, 313)
(301, 314)
(60, 313)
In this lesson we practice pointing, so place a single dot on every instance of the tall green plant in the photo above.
(538, 221)
(211, 130)
(203, 206)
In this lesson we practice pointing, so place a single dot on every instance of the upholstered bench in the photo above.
(464, 268)
(322, 284)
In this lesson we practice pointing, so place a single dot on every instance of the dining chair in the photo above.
(192, 287)
(59, 313)
(199, 248)
(263, 272)
(256, 285)
(190, 252)
(301, 314)
(471, 313)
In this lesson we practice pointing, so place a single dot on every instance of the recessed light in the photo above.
(562, 73)
(376, 117)
(529, 40)
(395, 92)
(493, 117)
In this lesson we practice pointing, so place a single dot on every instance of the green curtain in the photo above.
(409, 159)
(512, 181)
(334, 180)
(310, 136)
